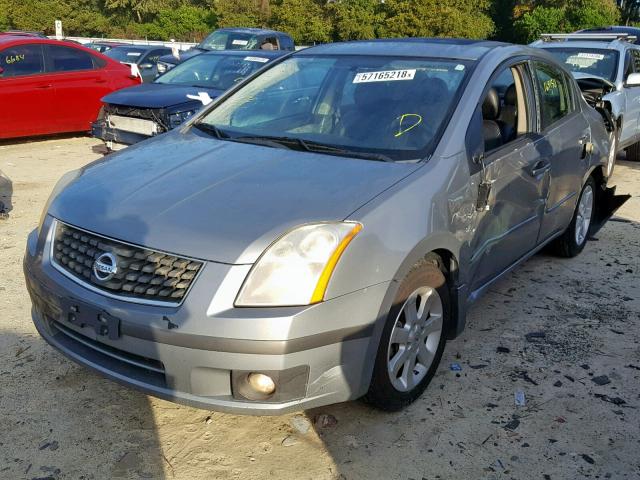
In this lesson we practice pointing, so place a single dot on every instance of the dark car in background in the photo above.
(134, 114)
(103, 46)
(232, 39)
(145, 57)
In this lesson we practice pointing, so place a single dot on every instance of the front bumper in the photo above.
(194, 353)
(100, 129)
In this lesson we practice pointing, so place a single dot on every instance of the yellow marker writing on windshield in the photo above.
(401, 131)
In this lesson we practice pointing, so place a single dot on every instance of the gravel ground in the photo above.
(563, 332)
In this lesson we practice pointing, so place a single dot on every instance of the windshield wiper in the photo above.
(311, 146)
(212, 129)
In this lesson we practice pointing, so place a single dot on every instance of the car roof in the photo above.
(9, 40)
(106, 42)
(251, 30)
(592, 44)
(122, 46)
(244, 53)
(462, 49)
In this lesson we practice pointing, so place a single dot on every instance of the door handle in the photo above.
(47, 85)
(101, 80)
(541, 166)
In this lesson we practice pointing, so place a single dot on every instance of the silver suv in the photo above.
(607, 68)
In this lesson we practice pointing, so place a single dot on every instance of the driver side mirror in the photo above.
(633, 80)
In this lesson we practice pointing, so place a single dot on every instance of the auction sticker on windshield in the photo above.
(256, 59)
(594, 56)
(385, 76)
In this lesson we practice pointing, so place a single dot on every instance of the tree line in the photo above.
(314, 21)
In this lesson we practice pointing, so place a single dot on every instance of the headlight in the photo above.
(295, 270)
(178, 118)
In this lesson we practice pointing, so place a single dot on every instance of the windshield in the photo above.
(591, 61)
(393, 107)
(229, 41)
(213, 71)
(125, 54)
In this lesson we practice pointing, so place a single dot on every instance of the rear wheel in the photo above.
(573, 240)
(413, 339)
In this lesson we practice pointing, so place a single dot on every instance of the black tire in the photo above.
(382, 394)
(567, 245)
(633, 152)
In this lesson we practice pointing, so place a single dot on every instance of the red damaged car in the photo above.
(51, 86)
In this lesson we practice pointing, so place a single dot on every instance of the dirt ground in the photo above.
(563, 332)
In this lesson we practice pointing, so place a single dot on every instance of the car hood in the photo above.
(156, 95)
(192, 195)
(586, 76)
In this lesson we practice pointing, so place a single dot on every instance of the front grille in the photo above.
(141, 274)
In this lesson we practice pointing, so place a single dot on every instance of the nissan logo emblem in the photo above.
(105, 267)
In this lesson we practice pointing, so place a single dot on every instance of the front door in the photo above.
(26, 92)
(511, 178)
(564, 140)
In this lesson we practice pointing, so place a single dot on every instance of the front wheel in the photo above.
(413, 338)
(573, 240)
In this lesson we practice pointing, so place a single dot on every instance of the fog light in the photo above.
(261, 383)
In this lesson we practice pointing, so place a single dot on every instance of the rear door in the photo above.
(510, 187)
(80, 80)
(565, 135)
(26, 94)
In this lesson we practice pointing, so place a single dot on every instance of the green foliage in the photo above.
(437, 18)
(540, 20)
(310, 21)
(592, 13)
(185, 23)
(240, 13)
(305, 20)
(555, 16)
(356, 19)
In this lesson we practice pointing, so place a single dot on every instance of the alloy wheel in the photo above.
(414, 339)
(583, 217)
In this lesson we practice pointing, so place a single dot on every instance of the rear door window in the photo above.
(21, 60)
(554, 96)
(66, 59)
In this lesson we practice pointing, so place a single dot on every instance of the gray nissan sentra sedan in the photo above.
(317, 233)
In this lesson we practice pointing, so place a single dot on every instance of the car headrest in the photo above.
(368, 94)
(491, 105)
(438, 90)
(510, 97)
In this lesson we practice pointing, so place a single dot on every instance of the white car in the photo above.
(607, 68)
